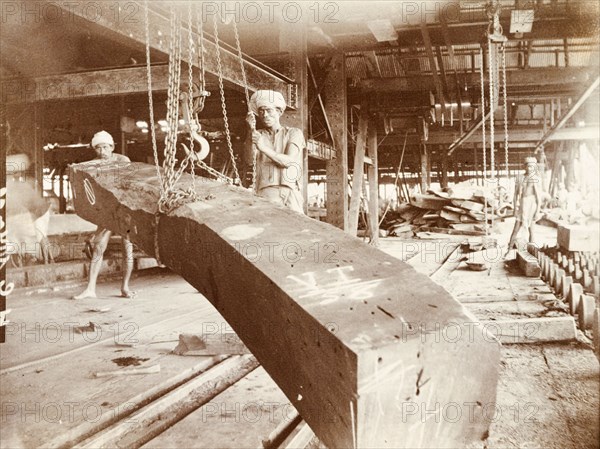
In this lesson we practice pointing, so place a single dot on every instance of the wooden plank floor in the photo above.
(547, 394)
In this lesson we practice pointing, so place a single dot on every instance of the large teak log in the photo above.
(370, 352)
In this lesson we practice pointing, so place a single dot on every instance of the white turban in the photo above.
(530, 160)
(266, 98)
(102, 137)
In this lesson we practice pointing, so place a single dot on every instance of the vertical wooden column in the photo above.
(37, 150)
(373, 178)
(444, 160)
(424, 167)
(334, 97)
(292, 40)
(358, 172)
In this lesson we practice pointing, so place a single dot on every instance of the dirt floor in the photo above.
(548, 393)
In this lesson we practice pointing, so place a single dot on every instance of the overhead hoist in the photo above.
(494, 45)
(185, 103)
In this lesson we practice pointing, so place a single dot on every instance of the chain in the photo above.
(200, 26)
(215, 172)
(150, 100)
(492, 103)
(153, 129)
(505, 112)
(223, 105)
(254, 160)
(172, 111)
(190, 104)
(245, 81)
(483, 125)
(239, 51)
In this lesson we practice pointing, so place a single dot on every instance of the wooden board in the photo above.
(344, 329)
(533, 330)
(528, 264)
(578, 238)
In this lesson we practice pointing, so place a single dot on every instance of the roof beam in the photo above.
(83, 84)
(531, 135)
(134, 29)
(558, 125)
(530, 77)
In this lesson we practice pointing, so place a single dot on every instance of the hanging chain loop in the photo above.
(484, 124)
(223, 105)
(504, 94)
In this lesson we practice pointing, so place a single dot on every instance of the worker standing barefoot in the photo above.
(104, 145)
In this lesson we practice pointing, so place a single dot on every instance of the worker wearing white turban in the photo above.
(279, 158)
(102, 137)
(104, 144)
(266, 98)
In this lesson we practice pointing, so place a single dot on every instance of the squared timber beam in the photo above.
(361, 343)
(128, 80)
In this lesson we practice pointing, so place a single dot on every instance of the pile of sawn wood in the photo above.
(459, 211)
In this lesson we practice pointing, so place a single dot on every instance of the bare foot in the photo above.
(128, 294)
(85, 294)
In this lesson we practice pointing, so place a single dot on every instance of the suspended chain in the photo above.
(215, 172)
(200, 27)
(241, 58)
(150, 100)
(190, 104)
(483, 125)
(245, 81)
(505, 112)
(165, 201)
(153, 129)
(492, 103)
(190, 158)
(223, 105)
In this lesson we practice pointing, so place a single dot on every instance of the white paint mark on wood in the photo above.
(242, 232)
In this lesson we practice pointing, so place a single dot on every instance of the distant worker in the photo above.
(279, 162)
(104, 145)
(528, 201)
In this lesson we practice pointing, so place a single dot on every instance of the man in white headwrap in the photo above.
(279, 161)
(104, 145)
(528, 200)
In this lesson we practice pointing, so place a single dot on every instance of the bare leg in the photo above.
(127, 268)
(101, 242)
(513, 236)
(530, 229)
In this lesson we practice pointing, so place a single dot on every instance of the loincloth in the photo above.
(527, 210)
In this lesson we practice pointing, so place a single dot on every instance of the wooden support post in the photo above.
(293, 42)
(358, 172)
(434, 71)
(444, 157)
(373, 178)
(424, 168)
(348, 343)
(334, 99)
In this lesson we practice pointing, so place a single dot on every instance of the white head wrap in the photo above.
(530, 160)
(266, 98)
(102, 137)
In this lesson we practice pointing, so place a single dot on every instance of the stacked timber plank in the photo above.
(461, 211)
(347, 333)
